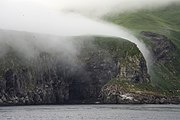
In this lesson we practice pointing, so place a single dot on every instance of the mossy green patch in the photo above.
(117, 47)
(127, 86)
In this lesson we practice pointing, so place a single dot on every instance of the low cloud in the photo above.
(63, 18)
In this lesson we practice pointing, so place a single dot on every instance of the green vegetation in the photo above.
(128, 86)
(165, 21)
(160, 20)
(119, 48)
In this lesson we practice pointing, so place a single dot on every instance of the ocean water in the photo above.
(91, 112)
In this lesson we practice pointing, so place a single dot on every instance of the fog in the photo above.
(102, 7)
(64, 18)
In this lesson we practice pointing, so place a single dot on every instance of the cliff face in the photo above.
(163, 73)
(165, 68)
(161, 34)
(105, 70)
(49, 79)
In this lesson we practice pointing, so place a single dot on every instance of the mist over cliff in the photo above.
(68, 51)
(68, 18)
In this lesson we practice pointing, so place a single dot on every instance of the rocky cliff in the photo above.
(163, 57)
(50, 79)
(160, 30)
(104, 70)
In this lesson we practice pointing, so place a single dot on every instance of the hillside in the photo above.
(151, 26)
(104, 70)
(52, 78)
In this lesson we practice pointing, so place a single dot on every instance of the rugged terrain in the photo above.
(50, 79)
(105, 70)
(159, 29)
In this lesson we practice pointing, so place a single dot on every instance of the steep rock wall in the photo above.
(49, 79)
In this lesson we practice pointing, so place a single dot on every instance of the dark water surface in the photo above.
(91, 112)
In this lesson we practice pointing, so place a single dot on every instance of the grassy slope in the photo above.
(165, 21)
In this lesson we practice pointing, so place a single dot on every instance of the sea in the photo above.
(91, 112)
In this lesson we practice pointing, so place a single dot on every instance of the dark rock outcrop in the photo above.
(134, 69)
(165, 61)
(162, 47)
